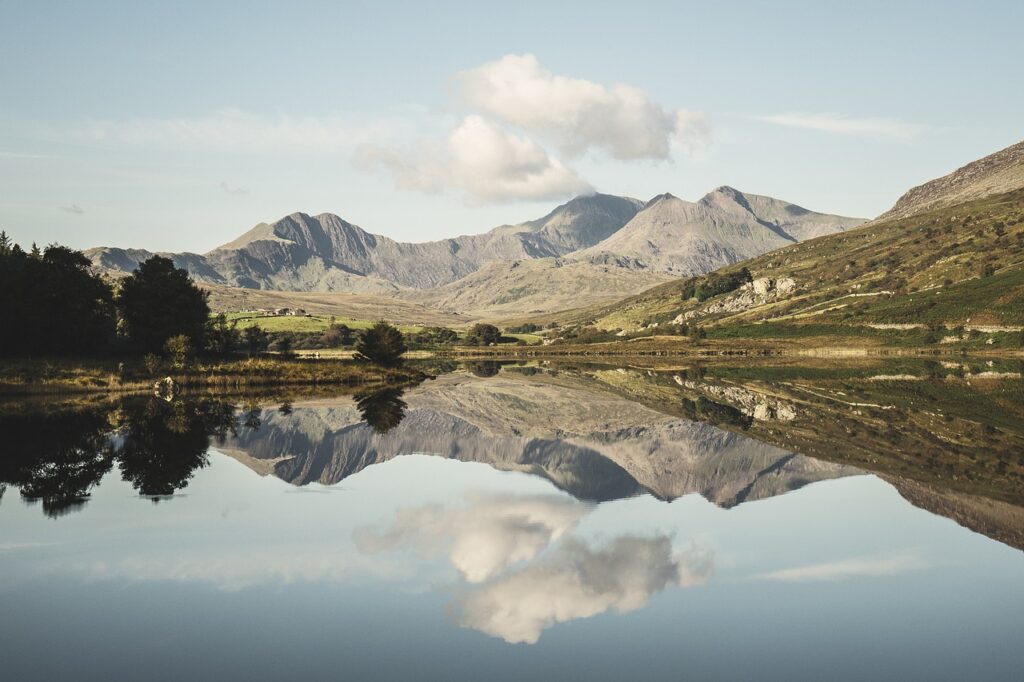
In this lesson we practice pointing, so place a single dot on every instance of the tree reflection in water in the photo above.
(165, 443)
(58, 458)
(382, 410)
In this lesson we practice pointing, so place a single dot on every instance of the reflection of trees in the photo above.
(56, 458)
(484, 368)
(165, 443)
(383, 410)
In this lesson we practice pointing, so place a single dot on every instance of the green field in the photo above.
(309, 323)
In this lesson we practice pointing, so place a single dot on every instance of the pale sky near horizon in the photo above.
(178, 126)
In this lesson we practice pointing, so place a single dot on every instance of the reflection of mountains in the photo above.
(594, 445)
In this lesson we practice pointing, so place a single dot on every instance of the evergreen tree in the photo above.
(381, 344)
(52, 302)
(159, 301)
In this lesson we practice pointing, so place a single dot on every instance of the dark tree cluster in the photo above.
(158, 301)
(526, 328)
(52, 303)
(57, 458)
(483, 335)
(434, 336)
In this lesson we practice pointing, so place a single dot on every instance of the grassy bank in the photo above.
(28, 376)
(756, 340)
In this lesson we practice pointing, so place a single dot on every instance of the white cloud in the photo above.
(25, 156)
(872, 567)
(480, 159)
(235, 130)
(846, 125)
(575, 581)
(524, 570)
(482, 538)
(232, 189)
(576, 114)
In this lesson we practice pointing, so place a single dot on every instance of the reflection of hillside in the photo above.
(949, 445)
(524, 569)
(998, 520)
(594, 444)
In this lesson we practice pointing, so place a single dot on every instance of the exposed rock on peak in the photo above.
(723, 227)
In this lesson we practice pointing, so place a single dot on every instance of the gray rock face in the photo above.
(326, 253)
(724, 227)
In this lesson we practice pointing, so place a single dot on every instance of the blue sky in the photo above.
(180, 126)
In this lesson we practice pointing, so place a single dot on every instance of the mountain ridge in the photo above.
(326, 253)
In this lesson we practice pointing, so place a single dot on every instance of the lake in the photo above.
(793, 521)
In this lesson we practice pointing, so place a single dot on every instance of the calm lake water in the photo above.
(525, 522)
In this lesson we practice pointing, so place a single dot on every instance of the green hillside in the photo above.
(959, 266)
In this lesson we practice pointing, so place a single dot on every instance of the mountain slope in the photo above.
(535, 286)
(725, 226)
(994, 174)
(958, 266)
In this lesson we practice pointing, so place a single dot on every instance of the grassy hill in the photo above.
(929, 275)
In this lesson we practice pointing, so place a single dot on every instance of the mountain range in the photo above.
(592, 248)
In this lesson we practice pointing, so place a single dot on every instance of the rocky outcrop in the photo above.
(755, 293)
(756, 405)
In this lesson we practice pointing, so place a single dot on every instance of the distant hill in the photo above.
(995, 174)
(952, 265)
(725, 226)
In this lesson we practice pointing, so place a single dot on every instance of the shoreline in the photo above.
(83, 376)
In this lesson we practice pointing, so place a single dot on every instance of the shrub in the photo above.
(709, 286)
(255, 340)
(222, 337)
(179, 350)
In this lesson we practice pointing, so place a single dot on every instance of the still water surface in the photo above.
(521, 525)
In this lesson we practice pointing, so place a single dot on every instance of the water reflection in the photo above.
(165, 443)
(382, 410)
(595, 445)
(58, 458)
(534, 506)
(525, 569)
